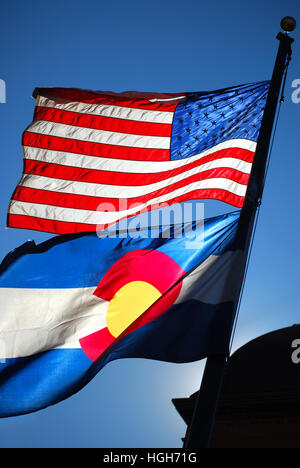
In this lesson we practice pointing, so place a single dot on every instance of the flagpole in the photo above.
(201, 427)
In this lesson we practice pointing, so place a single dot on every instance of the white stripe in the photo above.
(178, 98)
(98, 136)
(102, 217)
(108, 110)
(127, 166)
(36, 320)
(215, 281)
(126, 191)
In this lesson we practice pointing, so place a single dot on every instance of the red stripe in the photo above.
(94, 149)
(92, 97)
(85, 202)
(102, 123)
(121, 178)
(61, 227)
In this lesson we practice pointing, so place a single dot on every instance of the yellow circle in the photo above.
(128, 304)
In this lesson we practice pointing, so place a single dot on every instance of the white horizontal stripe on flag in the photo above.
(99, 136)
(127, 113)
(214, 281)
(101, 217)
(127, 166)
(125, 191)
(159, 99)
(36, 320)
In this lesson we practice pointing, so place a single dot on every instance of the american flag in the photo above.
(94, 158)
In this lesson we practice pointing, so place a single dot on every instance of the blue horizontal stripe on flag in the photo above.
(31, 383)
(74, 261)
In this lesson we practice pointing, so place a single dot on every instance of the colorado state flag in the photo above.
(73, 303)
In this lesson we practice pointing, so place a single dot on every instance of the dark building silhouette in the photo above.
(260, 400)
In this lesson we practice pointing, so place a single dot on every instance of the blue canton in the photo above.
(204, 120)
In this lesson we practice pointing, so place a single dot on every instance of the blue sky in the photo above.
(163, 46)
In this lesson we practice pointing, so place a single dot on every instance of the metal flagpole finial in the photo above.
(288, 24)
